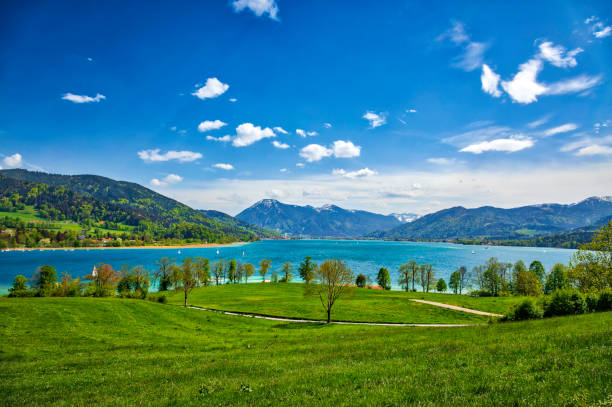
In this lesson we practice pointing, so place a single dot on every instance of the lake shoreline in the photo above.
(193, 246)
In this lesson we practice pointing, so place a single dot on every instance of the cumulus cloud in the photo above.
(224, 166)
(303, 133)
(375, 119)
(345, 149)
(315, 152)
(524, 87)
(225, 139)
(258, 7)
(490, 81)
(167, 180)
(279, 129)
(83, 98)
(247, 134)
(441, 161)
(154, 155)
(213, 88)
(280, 145)
(598, 29)
(362, 173)
(558, 56)
(13, 161)
(510, 145)
(564, 128)
(208, 125)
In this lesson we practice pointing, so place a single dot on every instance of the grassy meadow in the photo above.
(90, 351)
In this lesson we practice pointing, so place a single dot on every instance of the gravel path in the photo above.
(456, 308)
(316, 321)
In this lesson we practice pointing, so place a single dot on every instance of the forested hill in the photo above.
(89, 200)
(498, 223)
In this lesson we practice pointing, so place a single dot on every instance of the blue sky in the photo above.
(390, 106)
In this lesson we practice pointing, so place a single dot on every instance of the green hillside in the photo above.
(87, 351)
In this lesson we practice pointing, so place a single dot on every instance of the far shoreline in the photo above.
(191, 246)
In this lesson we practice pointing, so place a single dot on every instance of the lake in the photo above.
(361, 256)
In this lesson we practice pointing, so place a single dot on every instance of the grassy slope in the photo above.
(127, 352)
(288, 300)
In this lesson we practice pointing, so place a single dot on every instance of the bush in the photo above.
(565, 302)
(162, 299)
(361, 281)
(604, 303)
(591, 300)
(480, 293)
(523, 311)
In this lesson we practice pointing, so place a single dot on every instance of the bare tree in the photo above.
(333, 278)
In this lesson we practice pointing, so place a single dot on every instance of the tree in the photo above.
(491, 276)
(274, 277)
(538, 270)
(249, 269)
(333, 278)
(526, 283)
(104, 280)
(591, 266)
(286, 269)
(427, 276)
(409, 272)
(231, 271)
(361, 281)
(556, 279)
(384, 279)
(454, 282)
(162, 274)
(264, 266)
(307, 270)
(188, 277)
(134, 282)
(19, 286)
(44, 280)
(202, 270)
(441, 285)
(219, 270)
(463, 273)
(69, 287)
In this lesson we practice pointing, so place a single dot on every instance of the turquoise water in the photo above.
(362, 256)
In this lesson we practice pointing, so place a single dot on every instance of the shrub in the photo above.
(480, 293)
(162, 299)
(604, 303)
(523, 311)
(361, 281)
(591, 300)
(565, 302)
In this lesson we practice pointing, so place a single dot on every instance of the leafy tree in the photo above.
(307, 270)
(538, 270)
(69, 287)
(441, 285)
(231, 271)
(463, 273)
(202, 270)
(20, 288)
(274, 277)
(409, 272)
(134, 282)
(427, 275)
(519, 267)
(219, 270)
(361, 281)
(264, 266)
(104, 280)
(384, 279)
(239, 272)
(333, 279)
(556, 279)
(591, 266)
(44, 280)
(249, 270)
(526, 283)
(175, 276)
(188, 278)
(286, 269)
(455, 281)
(162, 274)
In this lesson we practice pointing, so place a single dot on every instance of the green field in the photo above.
(87, 351)
(361, 304)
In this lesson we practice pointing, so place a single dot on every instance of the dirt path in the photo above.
(316, 321)
(456, 308)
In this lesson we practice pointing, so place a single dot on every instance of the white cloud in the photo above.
(213, 88)
(225, 139)
(472, 51)
(362, 173)
(280, 145)
(13, 161)
(305, 134)
(441, 161)
(524, 87)
(233, 100)
(345, 149)
(411, 111)
(539, 122)
(327, 125)
(258, 7)
(283, 170)
(279, 129)
(590, 19)
(167, 180)
(588, 146)
(208, 125)
(574, 85)
(224, 166)
(173, 128)
(300, 165)
(154, 155)
(510, 145)
(89, 59)
(564, 128)
(490, 81)
(601, 31)
(375, 119)
(83, 98)
(558, 56)
(247, 134)
(594, 149)
(315, 152)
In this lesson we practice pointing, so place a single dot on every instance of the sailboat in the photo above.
(217, 251)
(179, 252)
